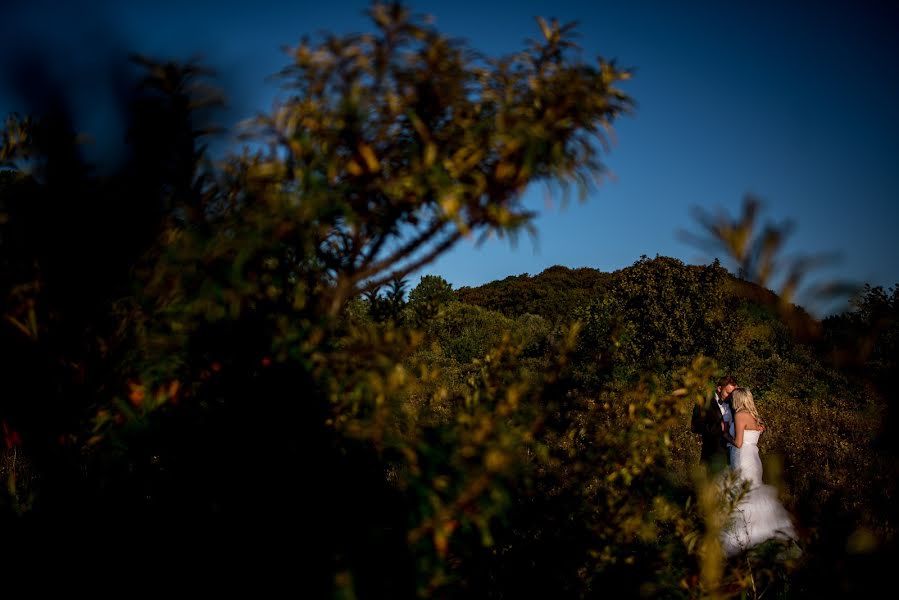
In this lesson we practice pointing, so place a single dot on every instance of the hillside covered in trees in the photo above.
(822, 391)
(220, 370)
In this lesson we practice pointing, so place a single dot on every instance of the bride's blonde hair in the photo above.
(742, 400)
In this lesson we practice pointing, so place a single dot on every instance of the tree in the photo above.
(554, 294)
(390, 305)
(231, 376)
(428, 296)
(72, 237)
(396, 297)
(657, 311)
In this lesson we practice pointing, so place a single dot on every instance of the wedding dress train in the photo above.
(759, 516)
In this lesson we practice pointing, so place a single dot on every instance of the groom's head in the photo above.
(726, 385)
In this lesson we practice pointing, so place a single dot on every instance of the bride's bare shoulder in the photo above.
(746, 417)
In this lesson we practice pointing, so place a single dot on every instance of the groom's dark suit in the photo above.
(707, 422)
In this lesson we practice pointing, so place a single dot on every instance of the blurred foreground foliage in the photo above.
(220, 357)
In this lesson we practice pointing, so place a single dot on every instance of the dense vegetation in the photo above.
(226, 361)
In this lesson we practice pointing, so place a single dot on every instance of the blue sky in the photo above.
(792, 102)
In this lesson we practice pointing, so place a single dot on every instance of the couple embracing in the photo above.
(730, 427)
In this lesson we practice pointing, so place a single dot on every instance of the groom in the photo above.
(715, 423)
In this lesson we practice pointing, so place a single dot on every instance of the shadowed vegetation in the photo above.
(227, 359)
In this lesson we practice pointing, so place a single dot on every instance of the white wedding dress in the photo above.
(759, 516)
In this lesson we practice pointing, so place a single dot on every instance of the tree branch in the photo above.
(430, 256)
(406, 250)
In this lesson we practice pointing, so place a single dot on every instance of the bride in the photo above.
(759, 515)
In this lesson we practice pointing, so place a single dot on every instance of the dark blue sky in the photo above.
(793, 102)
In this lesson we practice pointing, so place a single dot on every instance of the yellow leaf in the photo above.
(419, 126)
(450, 205)
(266, 170)
(430, 154)
(368, 155)
(495, 460)
(441, 542)
(544, 28)
(354, 168)
(504, 170)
